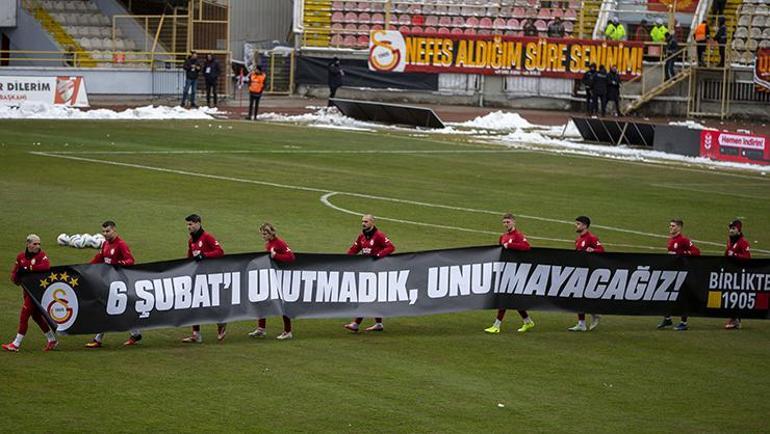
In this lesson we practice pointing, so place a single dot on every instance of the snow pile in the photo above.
(49, 111)
(322, 118)
(498, 121)
(689, 124)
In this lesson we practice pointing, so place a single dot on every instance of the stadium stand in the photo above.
(752, 30)
(346, 24)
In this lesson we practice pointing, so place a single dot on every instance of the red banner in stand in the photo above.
(762, 70)
(665, 5)
(735, 147)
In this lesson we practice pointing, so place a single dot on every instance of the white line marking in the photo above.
(293, 151)
(319, 190)
(698, 190)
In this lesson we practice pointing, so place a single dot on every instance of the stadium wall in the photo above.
(8, 13)
(259, 20)
(108, 81)
(29, 35)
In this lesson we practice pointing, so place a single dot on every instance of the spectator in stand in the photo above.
(556, 28)
(613, 90)
(718, 7)
(530, 29)
(192, 69)
(600, 89)
(658, 32)
(721, 40)
(211, 72)
(671, 48)
(615, 30)
(701, 37)
(588, 83)
(642, 34)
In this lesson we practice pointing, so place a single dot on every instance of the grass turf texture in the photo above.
(436, 374)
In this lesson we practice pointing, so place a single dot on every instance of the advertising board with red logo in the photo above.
(69, 91)
(735, 147)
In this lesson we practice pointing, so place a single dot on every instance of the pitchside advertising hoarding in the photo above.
(394, 51)
(735, 147)
(62, 90)
(99, 297)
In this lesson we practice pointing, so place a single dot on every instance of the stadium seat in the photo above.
(557, 13)
(761, 9)
(741, 32)
(338, 17)
(499, 24)
(758, 21)
(513, 24)
(458, 22)
(377, 27)
(351, 17)
(457, 31)
(570, 15)
(744, 20)
(431, 30)
(364, 17)
(349, 6)
(493, 11)
(755, 33)
(469, 31)
(363, 29)
(417, 30)
(440, 10)
(405, 20)
(738, 44)
(746, 9)
(752, 44)
(363, 41)
(472, 22)
(541, 26)
(85, 43)
(403, 29)
(519, 12)
(337, 27)
(337, 6)
(766, 33)
(568, 27)
(544, 14)
(349, 41)
(443, 31)
(336, 40)
(378, 19)
(351, 28)
(445, 21)
(364, 7)
(485, 23)
(431, 20)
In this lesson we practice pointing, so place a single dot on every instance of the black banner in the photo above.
(92, 298)
(314, 70)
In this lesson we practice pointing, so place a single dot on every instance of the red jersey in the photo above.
(682, 246)
(115, 252)
(377, 245)
(739, 249)
(514, 240)
(282, 251)
(28, 262)
(204, 242)
(587, 240)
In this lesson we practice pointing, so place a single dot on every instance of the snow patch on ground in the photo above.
(499, 120)
(689, 124)
(47, 111)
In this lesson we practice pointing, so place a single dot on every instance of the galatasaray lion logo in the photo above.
(60, 300)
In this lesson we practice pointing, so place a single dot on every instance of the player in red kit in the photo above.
(114, 251)
(738, 248)
(280, 252)
(202, 245)
(512, 239)
(589, 243)
(371, 242)
(33, 259)
(678, 245)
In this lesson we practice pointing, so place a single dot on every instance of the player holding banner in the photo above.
(678, 245)
(114, 251)
(512, 239)
(738, 248)
(202, 245)
(371, 242)
(32, 260)
(589, 243)
(279, 252)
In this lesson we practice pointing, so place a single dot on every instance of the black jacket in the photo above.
(211, 70)
(600, 82)
(588, 79)
(556, 30)
(192, 68)
(672, 47)
(721, 36)
(530, 30)
(613, 85)
(335, 74)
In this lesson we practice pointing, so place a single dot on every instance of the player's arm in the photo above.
(212, 249)
(520, 243)
(43, 265)
(283, 253)
(598, 247)
(126, 257)
(355, 248)
(693, 250)
(98, 258)
(387, 247)
(15, 278)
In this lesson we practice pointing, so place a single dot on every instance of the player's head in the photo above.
(509, 221)
(108, 230)
(675, 226)
(735, 227)
(367, 222)
(33, 243)
(193, 223)
(193, 55)
(267, 231)
(209, 57)
(582, 223)
(592, 67)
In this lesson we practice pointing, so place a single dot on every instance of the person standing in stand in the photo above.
(114, 252)
(589, 243)
(371, 242)
(32, 260)
(202, 245)
(192, 68)
(335, 77)
(588, 83)
(613, 90)
(678, 245)
(600, 90)
(512, 239)
(738, 248)
(281, 253)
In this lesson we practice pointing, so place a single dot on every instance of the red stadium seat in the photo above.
(458, 22)
(485, 23)
(431, 20)
(513, 24)
(351, 28)
(544, 14)
(363, 29)
(364, 6)
(499, 23)
(405, 19)
(519, 12)
(351, 17)
(337, 40)
(457, 31)
(349, 41)
(338, 17)
(557, 13)
(363, 41)
(364, 17)
(378, 19)
(403, 29)
(443, 31)
(470, 31)
(337, 6)
(418, 20)
(377, 27)
(445, 21)
(541, 26)
(337, 27)
(417, 29)
(472, 22)
(570, 14)
(431, 30)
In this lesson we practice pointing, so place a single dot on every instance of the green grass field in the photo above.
(426, 374)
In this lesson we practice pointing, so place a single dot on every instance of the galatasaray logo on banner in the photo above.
(393, 51)
(762, 70)
(59, 300)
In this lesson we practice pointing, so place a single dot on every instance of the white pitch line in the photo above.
(324, 191)
(293, 151)
(698, 190)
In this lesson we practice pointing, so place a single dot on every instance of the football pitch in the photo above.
(423, 374)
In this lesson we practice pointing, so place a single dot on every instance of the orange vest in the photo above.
(700, 32)
(256, 82)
